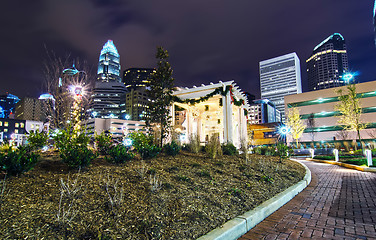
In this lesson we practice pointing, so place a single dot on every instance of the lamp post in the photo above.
(77, 91)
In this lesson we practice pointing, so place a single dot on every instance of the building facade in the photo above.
(263, 134)
(31, 109)
(7, 105)
(118, 128)
(107, 99)
(16, 131)
(280, 77)
(137, 77)
(136, 99)
(326, 129)
(328, 64)
(263, 111)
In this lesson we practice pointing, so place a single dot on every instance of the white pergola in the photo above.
(210, 117)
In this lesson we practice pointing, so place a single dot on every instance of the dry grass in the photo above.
(180, 197)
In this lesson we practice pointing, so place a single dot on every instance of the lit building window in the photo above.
(17, 125)
(5, 130)
(16, 131)
(1, 123)
(22, 125)
(6, 124)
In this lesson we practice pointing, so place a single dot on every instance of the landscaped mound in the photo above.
(181, 197)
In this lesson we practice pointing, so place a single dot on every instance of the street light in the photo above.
(348, 77)
(283, 130)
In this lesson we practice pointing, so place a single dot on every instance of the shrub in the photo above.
(194, 143)
(119, 154)
(229, 149)
(282, 151)
(77, 156)
(68, 137)
(359, 161)
(213, 148)
(270, 151)
(264, 150)
(139, 139)
(172, 148)
(73, 148)
(149, 151)
(103, 143)
(37, 140)
(17, 161)
(143, 144)
(324, 157)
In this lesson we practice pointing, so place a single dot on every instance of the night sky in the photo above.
(207, 40)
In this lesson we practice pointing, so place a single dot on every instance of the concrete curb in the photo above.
(240, 225)
(346, 165)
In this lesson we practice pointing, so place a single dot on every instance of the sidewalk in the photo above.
(339, 203)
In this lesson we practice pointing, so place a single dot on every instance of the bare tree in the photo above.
(372, 133)
(350, 110)
(311, 123)
(342, 134)
(61, 75)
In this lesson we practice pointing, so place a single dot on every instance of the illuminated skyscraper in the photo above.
(109, 91)
(280, 77)
(328, 63)
(109, 63)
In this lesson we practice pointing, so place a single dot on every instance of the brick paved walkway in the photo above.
(338, 204)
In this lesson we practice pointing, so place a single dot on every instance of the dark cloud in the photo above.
(208, 40)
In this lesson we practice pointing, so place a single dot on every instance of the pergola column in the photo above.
(227, 117)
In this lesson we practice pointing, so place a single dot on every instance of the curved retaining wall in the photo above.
(240, 225)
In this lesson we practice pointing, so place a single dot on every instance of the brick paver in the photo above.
(339, 203)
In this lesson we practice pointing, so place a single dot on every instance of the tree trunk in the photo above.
(360, 139)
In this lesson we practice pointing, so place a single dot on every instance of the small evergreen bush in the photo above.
(172, 148)
(229, 149)
(73, 148)
(77, 156)
(15, 162)
(149, 151)
(103, 143)
(37, 140)
(143, 144)
(282, 151)
(119, 154)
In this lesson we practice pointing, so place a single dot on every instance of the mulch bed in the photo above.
(192, 195)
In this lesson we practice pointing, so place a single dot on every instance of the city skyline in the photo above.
(206, 43)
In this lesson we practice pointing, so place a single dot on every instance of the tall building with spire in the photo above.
(328, 63)
(109, 91)
(109, 63)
